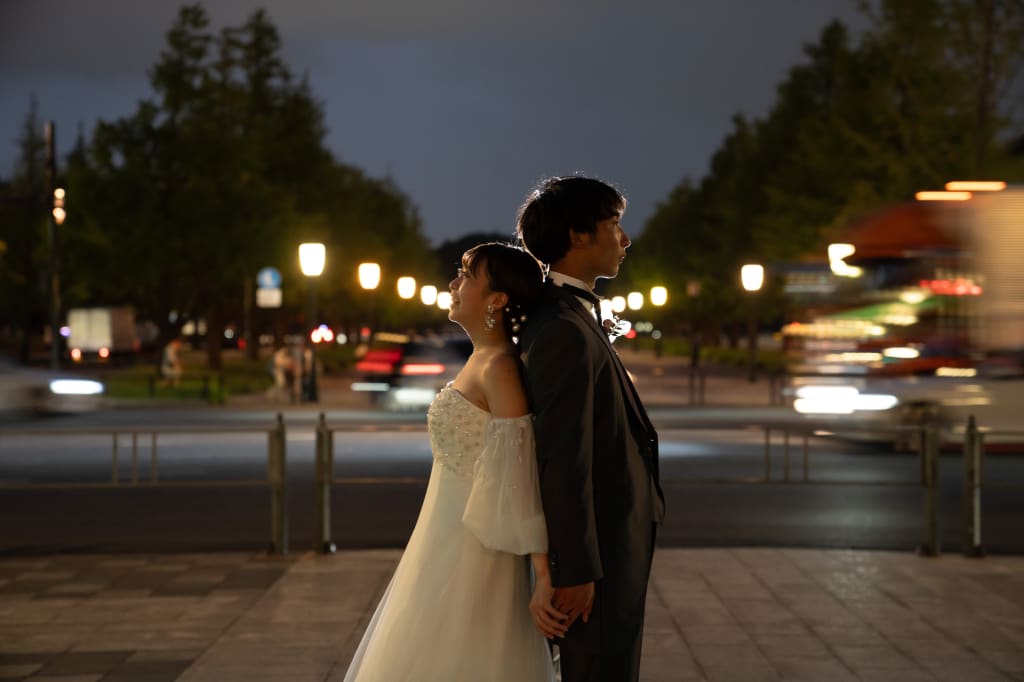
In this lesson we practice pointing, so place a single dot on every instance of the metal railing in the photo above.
(276, 478)
(974, 483)
(927, 437)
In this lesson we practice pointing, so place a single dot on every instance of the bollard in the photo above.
(974, 448)
(277, 476)
(930, 440)
(324, 480)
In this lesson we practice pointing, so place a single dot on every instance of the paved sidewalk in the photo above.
(713, 614)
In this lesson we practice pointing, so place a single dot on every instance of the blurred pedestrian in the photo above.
(282, 369)
(170, 363)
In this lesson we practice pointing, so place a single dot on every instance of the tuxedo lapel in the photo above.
(630, 391)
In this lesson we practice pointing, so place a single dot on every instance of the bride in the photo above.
(459, 603)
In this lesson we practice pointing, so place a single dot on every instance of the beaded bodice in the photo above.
(457, 430)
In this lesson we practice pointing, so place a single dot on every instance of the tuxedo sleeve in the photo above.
(561, 385)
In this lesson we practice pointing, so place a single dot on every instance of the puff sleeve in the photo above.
(504, 508)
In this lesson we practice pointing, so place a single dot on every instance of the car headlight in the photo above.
(840, 400)
(75, 387)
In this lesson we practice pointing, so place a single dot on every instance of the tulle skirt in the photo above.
(454, 610)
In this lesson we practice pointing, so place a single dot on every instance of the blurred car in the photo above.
(27, 390)
(405, 373)
(867, 408)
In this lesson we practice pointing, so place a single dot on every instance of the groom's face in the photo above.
(607, 247)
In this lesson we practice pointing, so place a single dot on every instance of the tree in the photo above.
(223, 171)
(23, 214)
(914, 103)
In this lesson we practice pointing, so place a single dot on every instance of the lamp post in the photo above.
(312, 258)
(659, 297)
(752, 278)
(369, 280)
(57, 216)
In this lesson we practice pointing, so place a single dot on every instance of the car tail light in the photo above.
(379, 361)
(419, 368)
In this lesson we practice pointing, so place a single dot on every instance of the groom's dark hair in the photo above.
(560, 204)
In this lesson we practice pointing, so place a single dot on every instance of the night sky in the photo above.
(464, 103)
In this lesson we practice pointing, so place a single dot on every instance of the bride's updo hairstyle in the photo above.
(512, 271)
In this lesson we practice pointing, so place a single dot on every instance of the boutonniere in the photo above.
(615, 327)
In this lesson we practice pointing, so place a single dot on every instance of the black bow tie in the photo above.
(584, 294)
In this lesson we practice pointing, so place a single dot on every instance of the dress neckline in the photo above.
(451, 386)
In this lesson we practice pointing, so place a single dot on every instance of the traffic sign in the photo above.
(268, 278)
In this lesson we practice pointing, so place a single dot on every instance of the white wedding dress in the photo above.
(457, 606)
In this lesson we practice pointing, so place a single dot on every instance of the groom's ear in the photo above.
(577, 239)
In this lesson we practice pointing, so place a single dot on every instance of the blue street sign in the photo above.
(268, 278)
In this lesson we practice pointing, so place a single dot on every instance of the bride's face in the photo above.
(470, 296)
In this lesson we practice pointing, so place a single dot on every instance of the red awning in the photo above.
(904, 231)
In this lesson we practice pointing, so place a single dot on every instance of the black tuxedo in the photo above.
(598, 460)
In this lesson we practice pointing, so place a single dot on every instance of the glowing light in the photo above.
(840, 400)
(961, 286)
(956, 372)
(752, 276)
(312, 257)
(659, 296)
(322, 334)
(58, 194)
(422, 368)
(406, 287)
(369, 275)
(836, 254)
(618, 304)
(914, 296)
(976, 186)
(76, 387)
(854, 357)
(428, 294)
(942, 196)
(104, 352)
(635, 300)
(76, 354)
(901, 353)
(65, 331)
(840, 251)
(444, 300)
(59, 214)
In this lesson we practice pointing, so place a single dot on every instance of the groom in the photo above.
(596, 449)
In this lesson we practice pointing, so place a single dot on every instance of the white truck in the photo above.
(101, 332)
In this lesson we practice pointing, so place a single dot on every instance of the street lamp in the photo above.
(369, 280)
(659, 297)
(312, 258)
(752, 278)
(406, 287)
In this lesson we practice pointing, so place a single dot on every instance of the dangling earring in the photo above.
(489, 318)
